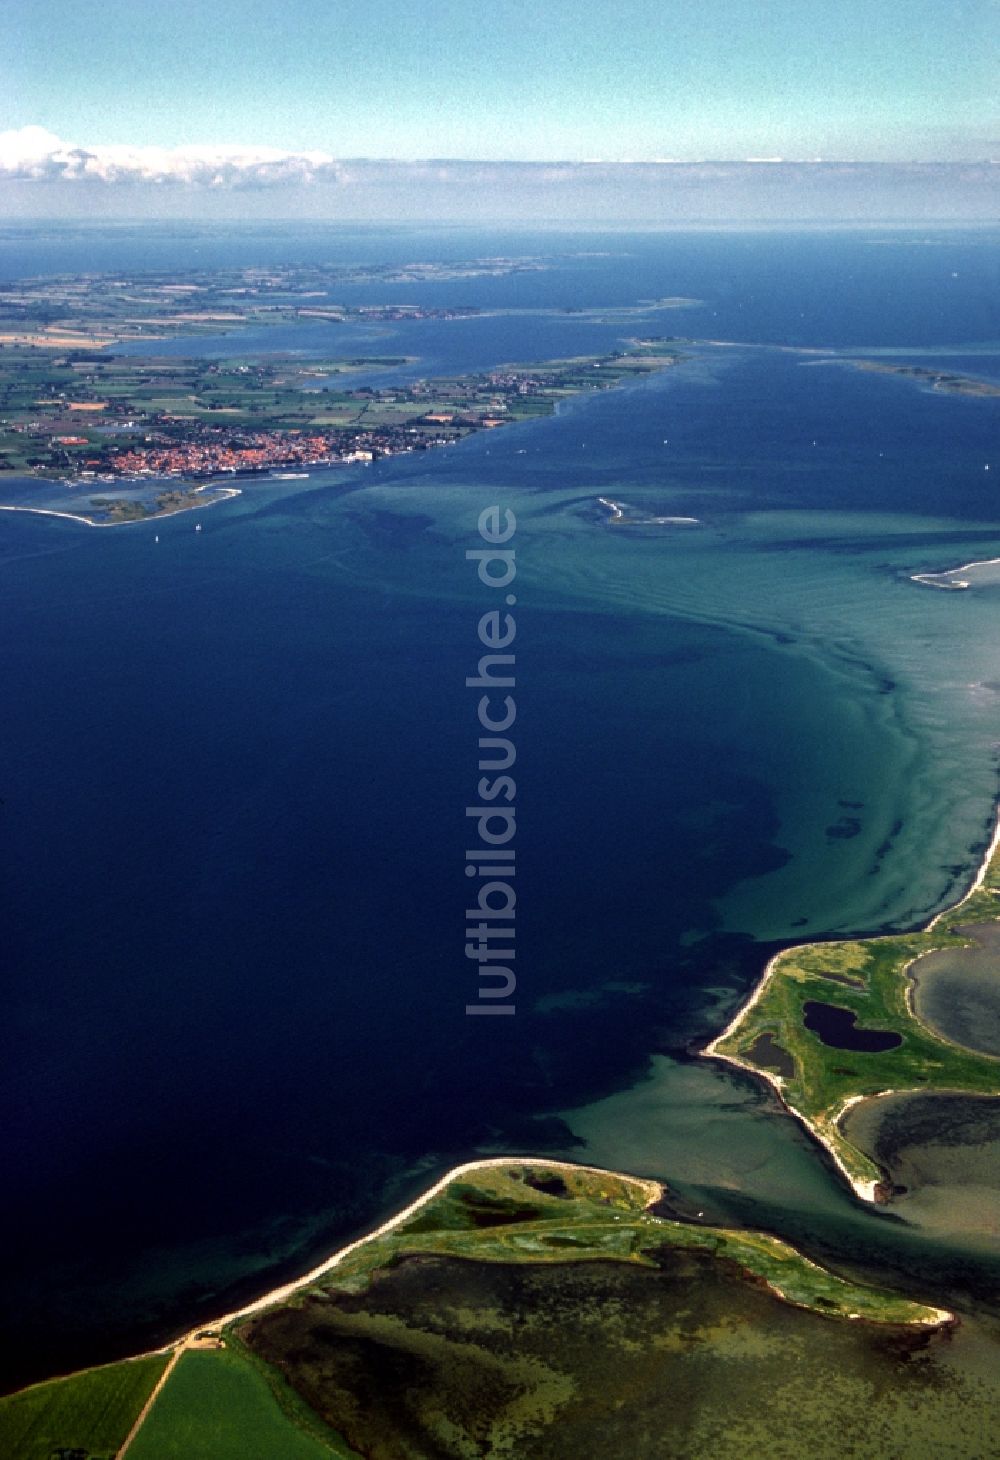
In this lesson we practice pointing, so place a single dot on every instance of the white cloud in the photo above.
(34, 154)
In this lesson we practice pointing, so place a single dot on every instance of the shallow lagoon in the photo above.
(452, 1358)
(957, 990)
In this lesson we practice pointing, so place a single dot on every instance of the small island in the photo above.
(833, 1024)
(952, 580)
(941, 380)
(117, 509)
(621, 515)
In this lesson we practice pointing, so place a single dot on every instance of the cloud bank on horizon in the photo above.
(69, 177)
(34, 154)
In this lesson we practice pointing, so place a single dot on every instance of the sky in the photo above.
(143, 97)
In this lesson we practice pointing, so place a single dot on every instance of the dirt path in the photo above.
(144, 1411)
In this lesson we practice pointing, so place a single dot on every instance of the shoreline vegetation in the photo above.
(863, 985)
(537, 1209)
(497, 1210)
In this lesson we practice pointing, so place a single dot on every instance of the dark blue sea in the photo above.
(234, 763)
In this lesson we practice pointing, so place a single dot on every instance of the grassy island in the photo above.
(860, 994)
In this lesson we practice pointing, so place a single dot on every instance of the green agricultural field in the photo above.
(32, 378)
(61, 413)
(868, 977)
(218, 1405)
(87, 1415)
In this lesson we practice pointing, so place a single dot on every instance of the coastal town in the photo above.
(81, 416)
(102, 422)
(215, 451)
(387, 422)
(88, 391)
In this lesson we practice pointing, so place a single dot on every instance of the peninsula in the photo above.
(89, 390)
(272, 1366)
(86, 419)
(832, 1024)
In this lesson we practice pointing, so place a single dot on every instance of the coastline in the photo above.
(981, 874)
(209, 1332)
(209, 1326)
(653, 1189)
(226, 494)
(865, 1190)
(465, 1168)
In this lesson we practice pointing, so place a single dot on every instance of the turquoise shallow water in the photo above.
(236, 765)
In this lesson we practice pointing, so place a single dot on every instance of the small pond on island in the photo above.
(838, 1028)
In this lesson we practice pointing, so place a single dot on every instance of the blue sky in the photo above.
(517, 79)
(509, 80)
